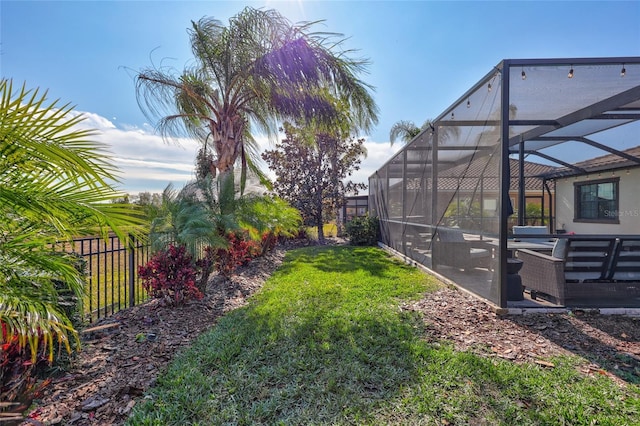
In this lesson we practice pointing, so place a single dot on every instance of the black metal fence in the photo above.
(111, 267)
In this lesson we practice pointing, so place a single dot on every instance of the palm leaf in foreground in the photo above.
(54, 185)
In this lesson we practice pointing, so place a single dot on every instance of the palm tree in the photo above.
(406, 130)
(259, 70)
(54, 185)
(182, 219)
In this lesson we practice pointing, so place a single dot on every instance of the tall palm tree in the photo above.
(54, 185)
(259, 70)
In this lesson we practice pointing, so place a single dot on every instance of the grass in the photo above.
(324, 343)
(107, 284)
(107, 272)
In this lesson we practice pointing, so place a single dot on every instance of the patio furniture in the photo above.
(452, 249)
(513, 245)
(522, 233)
(583, 268)
(515, 290)
(625, 265)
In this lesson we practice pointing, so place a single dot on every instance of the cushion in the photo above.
(530, 230)
(478, 253)
(559, 248)
(448, 235)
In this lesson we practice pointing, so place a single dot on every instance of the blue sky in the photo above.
(424, 55)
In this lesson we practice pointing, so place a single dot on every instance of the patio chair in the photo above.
(625, 265)
(452, 249)
(580, 269)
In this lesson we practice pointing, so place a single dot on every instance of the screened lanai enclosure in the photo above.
(453, 197)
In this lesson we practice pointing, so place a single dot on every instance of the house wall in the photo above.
(629, 204)
(354, 206)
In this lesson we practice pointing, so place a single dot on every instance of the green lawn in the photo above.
(324, 343)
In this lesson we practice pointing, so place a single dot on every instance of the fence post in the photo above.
(132, 271)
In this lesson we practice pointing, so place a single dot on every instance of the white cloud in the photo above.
(95, 121)
(144, 160)
(145, 164)
(378, 153)
(148, 163)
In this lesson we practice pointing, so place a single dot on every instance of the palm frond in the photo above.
(37, 324)
(55, 183)
(258, 70)
(404, 129)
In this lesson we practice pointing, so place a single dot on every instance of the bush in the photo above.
(238, 252)
(19, 372)
(171, 275)
(362, 231)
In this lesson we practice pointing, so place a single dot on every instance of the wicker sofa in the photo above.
(583, 268)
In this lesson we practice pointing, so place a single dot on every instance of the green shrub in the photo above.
(363, 231)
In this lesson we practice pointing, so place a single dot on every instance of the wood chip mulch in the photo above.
(122, 361)
(609, 344)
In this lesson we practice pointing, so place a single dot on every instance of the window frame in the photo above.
(577, 204)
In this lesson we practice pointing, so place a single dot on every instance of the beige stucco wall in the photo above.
(629, 207)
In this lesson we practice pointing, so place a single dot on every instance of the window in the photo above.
(597, 201)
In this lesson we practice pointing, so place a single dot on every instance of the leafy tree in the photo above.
(534, 214)
(258, 70)
(311, 176)
(54, 185)
(150, 203)
(148, 199)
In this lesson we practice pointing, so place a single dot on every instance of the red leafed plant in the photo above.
(239, 252)
(171, 275)
(18, 373)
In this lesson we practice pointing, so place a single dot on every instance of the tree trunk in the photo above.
(320, 226)
(226, 142)
(226, 191)
(339, 224)
(319, 216)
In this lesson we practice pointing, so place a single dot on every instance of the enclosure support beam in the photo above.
(521, 187)
(505, 180)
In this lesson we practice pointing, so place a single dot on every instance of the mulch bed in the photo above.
(609, 344)
(122, 361)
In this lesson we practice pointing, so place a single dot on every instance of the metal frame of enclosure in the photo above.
(457, 174)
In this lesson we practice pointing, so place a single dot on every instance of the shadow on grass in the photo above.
(307, 368)
(319, 353)
(343, 259)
